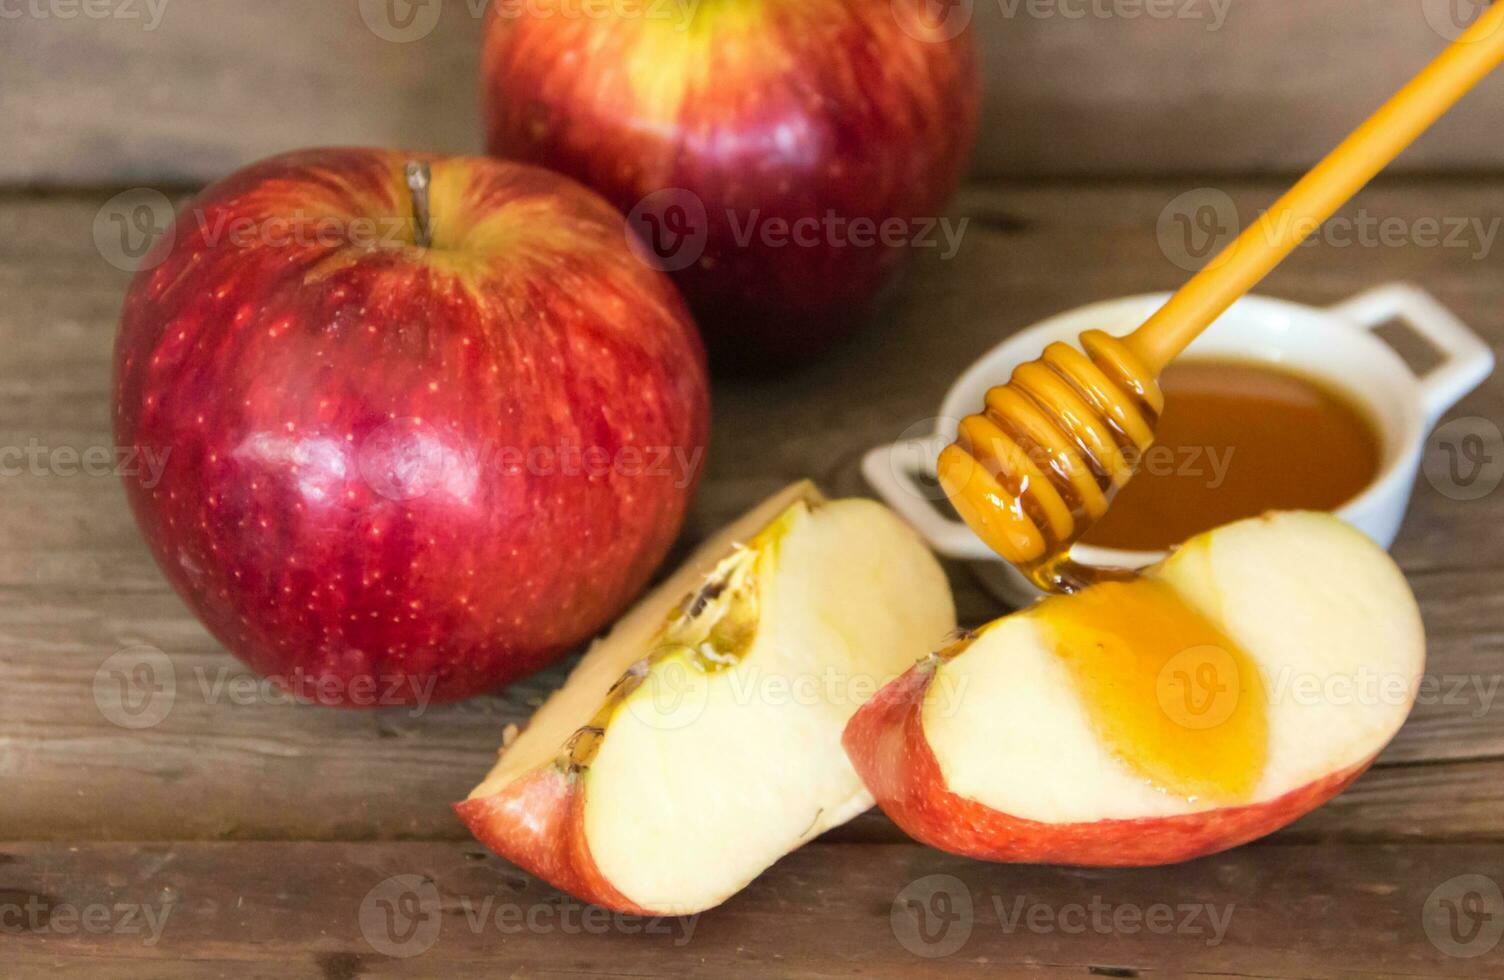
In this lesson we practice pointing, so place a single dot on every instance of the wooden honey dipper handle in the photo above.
(1040, 463)
(1281, 229)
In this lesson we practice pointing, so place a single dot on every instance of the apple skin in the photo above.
(358, 498)
(886, 744)
(857, 109)
(538, 822)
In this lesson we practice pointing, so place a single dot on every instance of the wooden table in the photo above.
(261, 829)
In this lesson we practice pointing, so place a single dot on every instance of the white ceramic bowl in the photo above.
(1335, 344)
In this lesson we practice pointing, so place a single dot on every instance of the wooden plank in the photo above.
(76, 584)
(166, 91)
(421, 909)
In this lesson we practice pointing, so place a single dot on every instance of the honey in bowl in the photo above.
(1236, 439)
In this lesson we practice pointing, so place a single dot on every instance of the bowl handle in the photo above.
(1466, 359)
(893, 472)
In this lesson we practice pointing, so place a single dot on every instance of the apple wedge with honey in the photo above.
(700, 740)
(1242, 682)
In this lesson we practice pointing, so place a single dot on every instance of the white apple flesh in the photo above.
(701, 740)
(995, 752)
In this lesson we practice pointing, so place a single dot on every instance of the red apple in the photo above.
(700, 741)
(428, 421)
(994, 752)
(781, 156)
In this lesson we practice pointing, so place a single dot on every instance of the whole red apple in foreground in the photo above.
(428, 422)
(781, 156)
(994, 752)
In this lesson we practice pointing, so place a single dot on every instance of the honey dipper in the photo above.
(1040, 463)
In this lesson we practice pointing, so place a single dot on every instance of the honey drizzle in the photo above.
(1166, 689)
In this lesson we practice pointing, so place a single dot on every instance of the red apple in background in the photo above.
(780, 156)
(428, 422)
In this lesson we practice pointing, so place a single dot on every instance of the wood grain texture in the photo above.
(232, 761)
(433, 909)
(177, 91)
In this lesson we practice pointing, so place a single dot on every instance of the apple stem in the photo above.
(419, 176)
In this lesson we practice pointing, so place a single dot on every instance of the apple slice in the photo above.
(701, 740)
(1293, 659)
